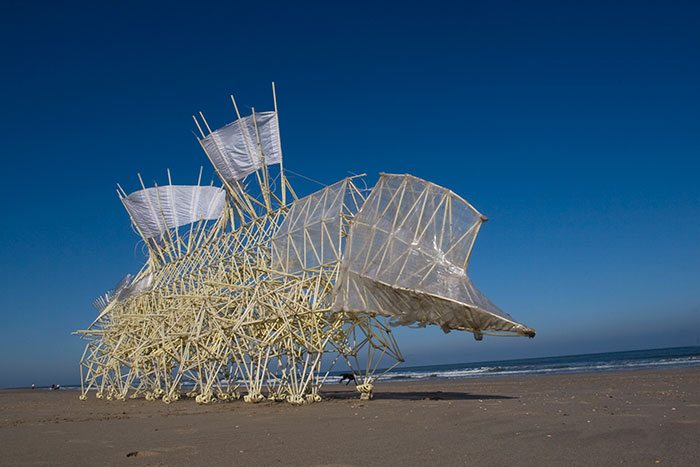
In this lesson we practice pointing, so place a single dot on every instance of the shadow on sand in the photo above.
(417, 395)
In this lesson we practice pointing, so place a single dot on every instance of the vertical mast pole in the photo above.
(263, 164)
(205, 122)
(198, 127)
(172, 200)
(189, 236)
(283, 179)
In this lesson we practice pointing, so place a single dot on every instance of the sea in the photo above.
(677, 357)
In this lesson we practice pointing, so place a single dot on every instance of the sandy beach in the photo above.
(632, 418)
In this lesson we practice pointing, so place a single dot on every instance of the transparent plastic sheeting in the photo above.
(312, 234)
(156, 210)
(128, 287)
(234, 149)
(407, 255)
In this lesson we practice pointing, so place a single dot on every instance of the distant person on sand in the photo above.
(33, 387)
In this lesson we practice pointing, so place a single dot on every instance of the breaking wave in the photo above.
(614, 361)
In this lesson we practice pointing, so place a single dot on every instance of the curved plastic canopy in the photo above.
(407, 255)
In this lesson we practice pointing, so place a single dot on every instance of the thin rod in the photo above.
(283, 178)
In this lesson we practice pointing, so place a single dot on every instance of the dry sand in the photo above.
(632, 418)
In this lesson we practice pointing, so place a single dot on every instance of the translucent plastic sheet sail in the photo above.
(234, 149)
(407, 255)
(156, 210)
(101, 302)
(311, 234)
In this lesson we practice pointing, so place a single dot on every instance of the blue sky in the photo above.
(574, 126)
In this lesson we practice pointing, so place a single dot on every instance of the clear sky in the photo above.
(574, 126)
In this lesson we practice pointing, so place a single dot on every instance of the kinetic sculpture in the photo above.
(248, 288)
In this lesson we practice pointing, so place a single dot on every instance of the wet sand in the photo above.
(632, 418)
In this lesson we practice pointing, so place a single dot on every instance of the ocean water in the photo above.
(678, 357)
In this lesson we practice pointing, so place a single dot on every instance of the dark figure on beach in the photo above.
(349, 376)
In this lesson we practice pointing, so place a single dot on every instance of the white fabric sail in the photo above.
(234, 149)
(156, 210)
(407, 255)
